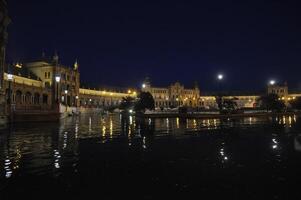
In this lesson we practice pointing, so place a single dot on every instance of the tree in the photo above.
(226, 106)
(229, 105)
(219, 102)
(271, 102)
(296, 103)
(127, 103)
(145, 101)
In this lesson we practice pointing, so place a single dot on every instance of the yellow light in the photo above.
(134, 93)
(294, 97)
(111, 94)
(177, 99)
(129, 91)
(19, 65)
(282, 98)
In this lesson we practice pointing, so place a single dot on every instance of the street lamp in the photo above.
(57, 80)
(272, 82)
(220, 77)
(10, 79)
(66, 92)
(76, 97)
(143, 86)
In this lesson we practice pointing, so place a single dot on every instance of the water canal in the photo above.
(110, 156)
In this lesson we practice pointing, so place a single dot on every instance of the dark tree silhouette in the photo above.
(145, 101)
(226, 106)
(127, 103)
(271, 102)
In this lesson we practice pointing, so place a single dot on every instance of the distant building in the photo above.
(280, 90)
(173, 96)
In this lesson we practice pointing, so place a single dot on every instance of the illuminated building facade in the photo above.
(173, 96)
(63, 81)
(45, 83)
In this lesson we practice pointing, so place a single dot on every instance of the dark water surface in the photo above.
(111, 157)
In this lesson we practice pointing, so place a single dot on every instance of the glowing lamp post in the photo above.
(272, 82)
(76, 100)
(66, 92)
(220, 77)
(57, 80)
(10, 78)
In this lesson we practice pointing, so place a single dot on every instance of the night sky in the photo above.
(118, 43)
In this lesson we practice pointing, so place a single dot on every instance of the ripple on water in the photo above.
(172, 153)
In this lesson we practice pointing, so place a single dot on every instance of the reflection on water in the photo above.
(65, 149)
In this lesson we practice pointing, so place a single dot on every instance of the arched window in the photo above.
(45, 99)
(36, 99)
(28, 98)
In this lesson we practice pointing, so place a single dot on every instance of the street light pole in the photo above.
(272, 82)
(66, 102)
(76, 102)
(220, 77)
(57, 80)
(10, 79)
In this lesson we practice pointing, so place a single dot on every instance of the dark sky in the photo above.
(118, 43)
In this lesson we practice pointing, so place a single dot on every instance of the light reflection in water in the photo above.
(76, 129)
(136, 131)
(224, 157)
(131, 120)
(7, 169)
(57, 157)
(143, 142)
(275, 143)
(111, 127)
(65, 140)
(194, 124)
(90, 124)
(104, 130)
